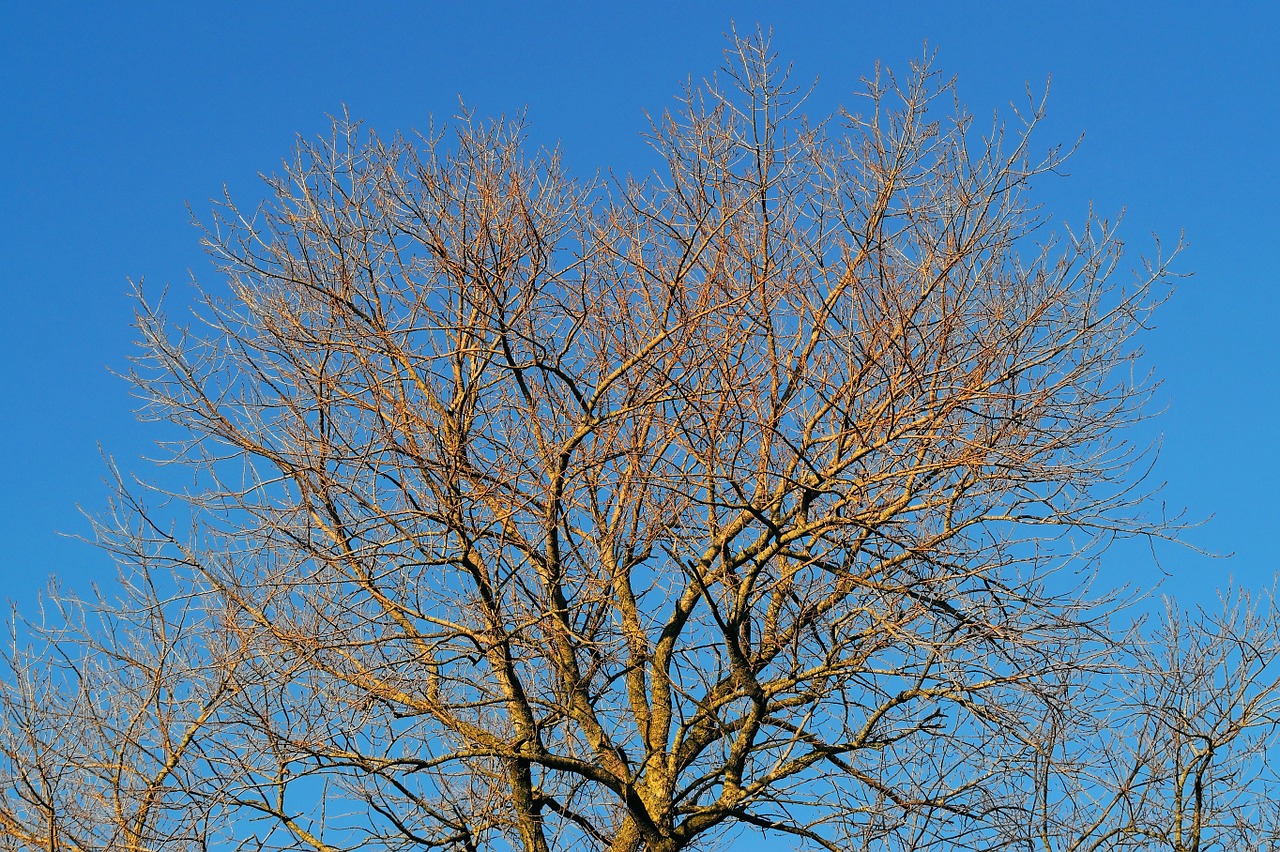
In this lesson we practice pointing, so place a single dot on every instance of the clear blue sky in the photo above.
(117, 115)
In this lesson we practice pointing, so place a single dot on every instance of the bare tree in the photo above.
(1170, 750)
(106, 705)
(545, 515)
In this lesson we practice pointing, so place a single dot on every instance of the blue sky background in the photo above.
(116, 116)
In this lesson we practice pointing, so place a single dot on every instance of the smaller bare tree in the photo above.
(1171, 745)
(106, 706)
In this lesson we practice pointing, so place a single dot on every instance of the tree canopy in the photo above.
(533, 513)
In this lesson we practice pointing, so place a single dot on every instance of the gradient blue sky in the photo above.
(119, 115)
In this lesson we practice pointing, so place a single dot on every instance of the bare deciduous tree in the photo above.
(105, 719)
(1170, 750)
(545, 515)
